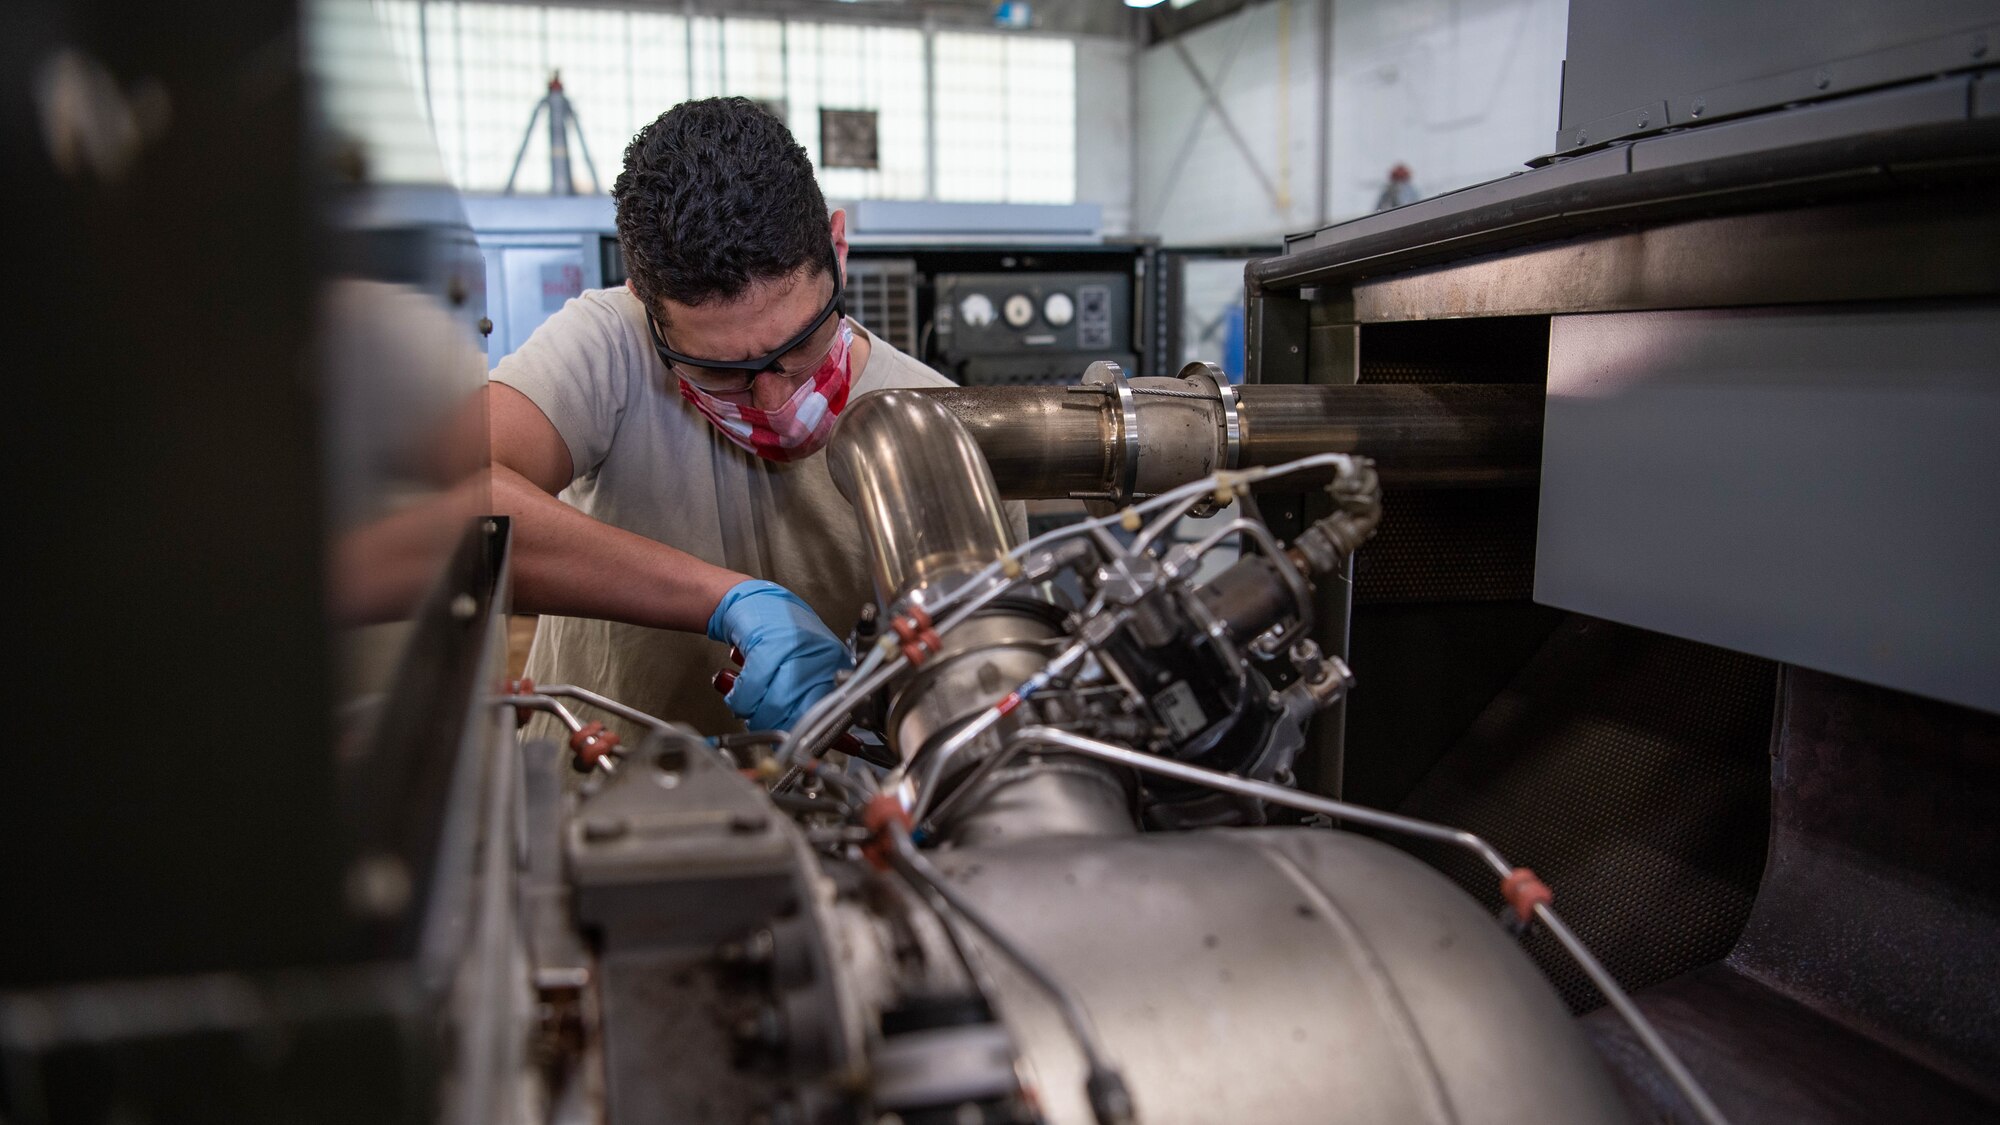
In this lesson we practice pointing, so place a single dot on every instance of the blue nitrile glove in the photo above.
(789, 656)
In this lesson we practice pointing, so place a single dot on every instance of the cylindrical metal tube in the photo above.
(925, 498)
(1053, 442)
(1444, 434)
(1044, 442)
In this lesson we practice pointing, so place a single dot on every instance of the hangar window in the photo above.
(1002, 106)
(1006, 118)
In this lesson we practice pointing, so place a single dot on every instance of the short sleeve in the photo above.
(580, 368)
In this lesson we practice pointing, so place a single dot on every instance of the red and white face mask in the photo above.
(801, 426)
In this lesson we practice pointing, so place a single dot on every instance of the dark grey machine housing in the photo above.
(1637, 69)
(1732, 668)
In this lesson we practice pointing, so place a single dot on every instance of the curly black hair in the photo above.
(717, 195)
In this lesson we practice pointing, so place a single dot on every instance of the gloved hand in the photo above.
(789, 656)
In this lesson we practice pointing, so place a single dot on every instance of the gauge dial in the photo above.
(1019, 310)
(1057, 309)
(976, 310)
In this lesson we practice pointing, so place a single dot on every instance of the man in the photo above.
(1400, 190)
(681, 419)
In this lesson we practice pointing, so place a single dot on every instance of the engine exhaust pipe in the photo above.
(1115, 439)
(928, 507)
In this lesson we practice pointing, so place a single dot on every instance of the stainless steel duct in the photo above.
(932, 518)
(1115, 438)
(926, 500)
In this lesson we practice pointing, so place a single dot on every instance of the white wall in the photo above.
(1193, 185)
(1460, 90)
(1105, 125)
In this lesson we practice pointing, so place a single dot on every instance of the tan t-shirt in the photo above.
(647, 461)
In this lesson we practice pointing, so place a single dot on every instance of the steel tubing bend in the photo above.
(1052, 442)
(922, 491)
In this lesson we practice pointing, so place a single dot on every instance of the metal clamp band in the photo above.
(1232, 418)
(1232, 424)
(1111, 377)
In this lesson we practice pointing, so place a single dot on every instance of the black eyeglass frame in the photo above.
(835, 306)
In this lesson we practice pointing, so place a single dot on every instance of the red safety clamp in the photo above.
(918, 634)
(591, 745)
(1524, 891)
(522, 686)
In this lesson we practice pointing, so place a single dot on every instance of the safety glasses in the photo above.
(796, 356)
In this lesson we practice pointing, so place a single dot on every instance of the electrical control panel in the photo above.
(1021, 327)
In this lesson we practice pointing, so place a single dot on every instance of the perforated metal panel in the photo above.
(882, 294)
(1462, 369)
(1395, 372)
(1630, 770)
(1511, 349)
(1450, 545)
(1453, 545)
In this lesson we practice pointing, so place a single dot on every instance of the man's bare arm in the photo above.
(569, 564)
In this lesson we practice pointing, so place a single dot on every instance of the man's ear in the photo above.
(839, 227)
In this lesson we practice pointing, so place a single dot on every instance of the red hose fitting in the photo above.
(1524, 891)
(912, 644)
(926, 629)
(592, 745)
(918, 635)
(522, 686)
